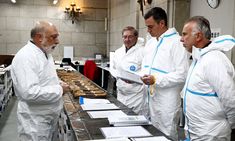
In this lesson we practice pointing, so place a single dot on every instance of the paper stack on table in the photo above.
(159, 138)
(129, 120)
(99, 106)
(116, 139)
(94, 101)
(129, 131)
(106, 114)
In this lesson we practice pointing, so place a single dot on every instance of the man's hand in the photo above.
(65, 87)
(148, 79)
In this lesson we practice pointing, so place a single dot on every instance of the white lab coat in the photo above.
(40, 96)
(209, 92)
(167, 60)
(129, 94)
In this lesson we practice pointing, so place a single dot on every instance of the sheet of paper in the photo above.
(139, 73)
(126, 75)
(116, 139)
(130, 124)
(87, 107)
(106, 114)
(127, 119)
(160, 138)
(129, 131)
(94, 101)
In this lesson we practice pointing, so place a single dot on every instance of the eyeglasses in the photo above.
(54, 36)
(129, 37)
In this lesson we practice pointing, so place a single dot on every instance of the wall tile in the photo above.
(65, 37)
(89, 14)
(83, 38)
(9, 10)
(2, 23)
(55, 12)
(100, 48)
(66, 25)
(101, 38)
(13, 23)
(13, 48)
(94, 26)
(26, 23)
(43, 2)
(26, 2)
(33, 11)
(96, 3)
(83, 50)
(3, 35)
(24, 36)
(101, 14)
(3, 48)
(13, 36)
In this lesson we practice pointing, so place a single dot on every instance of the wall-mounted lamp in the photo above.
(142, 3)
(73, 12)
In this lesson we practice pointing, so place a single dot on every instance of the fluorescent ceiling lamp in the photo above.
(13, 1)
(55, 2)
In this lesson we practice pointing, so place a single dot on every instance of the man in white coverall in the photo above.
(209, 92)
(128, 58)
(37, 86)
(165, 67)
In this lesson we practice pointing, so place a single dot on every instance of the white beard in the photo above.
(48, 49)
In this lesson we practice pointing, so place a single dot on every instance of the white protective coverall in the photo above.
(209, 92)
(37, 87)
(167, 60)
(130, 94)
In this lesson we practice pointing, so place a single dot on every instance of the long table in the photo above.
(86, 128)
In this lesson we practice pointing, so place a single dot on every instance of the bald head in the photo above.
(41, 27)
(45, 36)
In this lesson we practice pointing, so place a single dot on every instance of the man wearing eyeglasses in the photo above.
(128, 58)
(37, 86)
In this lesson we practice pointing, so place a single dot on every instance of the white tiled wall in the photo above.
(88, 36)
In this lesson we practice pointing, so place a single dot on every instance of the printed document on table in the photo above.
(129, 120)
(106, 114)
(129, 131)
(94, 101)
(116, 139)
(160, 138)
(110, 106)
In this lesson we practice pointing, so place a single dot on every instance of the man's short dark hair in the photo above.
(158, 14)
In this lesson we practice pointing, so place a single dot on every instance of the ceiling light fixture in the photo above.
(13, 1)
(55, 2)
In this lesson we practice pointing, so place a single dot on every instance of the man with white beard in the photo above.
(37, 86)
